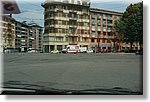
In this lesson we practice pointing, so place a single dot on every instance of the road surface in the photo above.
(75, 71)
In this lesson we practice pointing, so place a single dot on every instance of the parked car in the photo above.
(55, 51)
(90, 51)
(139, 52)
(11, 50)
(130, 51)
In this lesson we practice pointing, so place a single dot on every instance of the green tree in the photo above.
(119, 31)
(131, 24)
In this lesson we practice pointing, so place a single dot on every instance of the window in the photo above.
(73, 23)
(66, 15)
(99, 28)
(73, 15)
(92, 40)
(59, 22)
(51, 30)
(67, 23)
(59, 30)
(59, 14)
(67, 39)
(104, 22)
(93, 32)
(66, 8)
(93, 21)
(79, 2)
(99, 16)
(103, 41)
(93, 27)
(51, 22)
(66, 1)
(72, 1)
(93, 16)
(79, 31)
(99, 22)
(67, 31)
(51, 14)
(78, 16)
(104, 28)
(73, 30)
(51, 7)
(85, 31)
(59, 38)
(59, 7)
(79, 23)
(86, 24)
(79, 39)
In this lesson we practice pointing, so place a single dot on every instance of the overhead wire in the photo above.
(37, 10)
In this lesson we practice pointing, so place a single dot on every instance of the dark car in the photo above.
(139, 52)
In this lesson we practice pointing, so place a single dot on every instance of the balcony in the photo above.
(110, 24)
(93, 35)
(73, 43)
(73, 35)
(73, 11)
(99, 29)
(73, 18)
(31, 38)
(104, 17)
(109, 18)
(85, 35)
(19, 36)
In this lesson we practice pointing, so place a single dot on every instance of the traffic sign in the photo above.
(10, 7)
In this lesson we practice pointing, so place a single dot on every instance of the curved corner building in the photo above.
(66, 22)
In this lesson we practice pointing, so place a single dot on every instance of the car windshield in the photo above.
(72, 47)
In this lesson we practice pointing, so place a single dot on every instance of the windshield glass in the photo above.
(72, 47)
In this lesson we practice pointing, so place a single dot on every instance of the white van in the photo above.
(74, 49)
(31, 50)
(71, 49)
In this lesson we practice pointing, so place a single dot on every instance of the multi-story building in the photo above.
(8, 31)
(21, 35)
(22, 32)
(66, 22)
(74, 22)
(28, 36)
(101, 29)
(35, 36)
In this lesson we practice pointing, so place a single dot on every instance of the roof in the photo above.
(105, 11)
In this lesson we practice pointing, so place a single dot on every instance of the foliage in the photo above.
(131, 24)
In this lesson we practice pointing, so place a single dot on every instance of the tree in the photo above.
(131, 24)
(119, 31)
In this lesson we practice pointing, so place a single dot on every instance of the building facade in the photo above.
(22, 32)
(35, 37)
(74, 22)
(101, 29)
(69, 22)
(8, 31)
(66, 22)
(21, 35)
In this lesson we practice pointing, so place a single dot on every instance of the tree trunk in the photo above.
(140, 45)
(131, 43)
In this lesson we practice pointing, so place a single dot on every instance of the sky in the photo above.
(32, 11)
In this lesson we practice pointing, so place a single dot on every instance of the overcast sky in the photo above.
(32, 11)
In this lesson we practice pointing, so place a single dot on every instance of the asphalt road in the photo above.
(75, 71)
